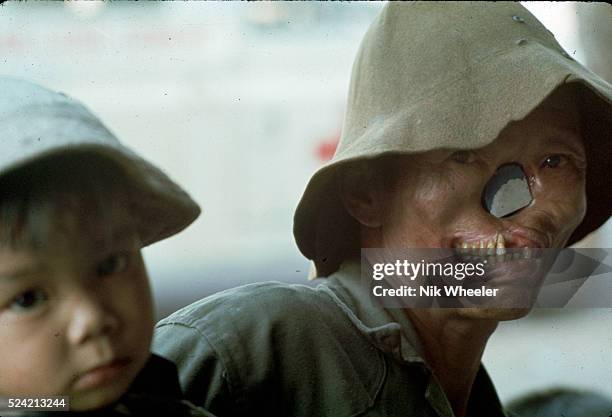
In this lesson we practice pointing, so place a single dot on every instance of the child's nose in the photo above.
(90, 319)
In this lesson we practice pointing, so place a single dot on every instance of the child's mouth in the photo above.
(103, 374)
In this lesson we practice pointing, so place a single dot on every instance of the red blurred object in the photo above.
(327, 147)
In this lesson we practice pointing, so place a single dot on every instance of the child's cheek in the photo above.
(33, 364)
(133, 301)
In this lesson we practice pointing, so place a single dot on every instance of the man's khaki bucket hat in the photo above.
(432, 75)
(36, 123)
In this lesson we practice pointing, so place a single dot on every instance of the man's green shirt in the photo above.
(276, 349)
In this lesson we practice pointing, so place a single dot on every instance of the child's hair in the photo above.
(43, 198)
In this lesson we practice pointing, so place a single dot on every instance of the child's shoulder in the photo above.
(156, 391)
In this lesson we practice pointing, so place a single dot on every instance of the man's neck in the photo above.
(453, 348)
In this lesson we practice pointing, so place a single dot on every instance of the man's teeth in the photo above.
(493, 246)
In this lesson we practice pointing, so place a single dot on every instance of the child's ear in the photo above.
(360, 191)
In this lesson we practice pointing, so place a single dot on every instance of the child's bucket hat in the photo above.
(36, 123)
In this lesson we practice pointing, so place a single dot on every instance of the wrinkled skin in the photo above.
(437, 197)
(435, 201)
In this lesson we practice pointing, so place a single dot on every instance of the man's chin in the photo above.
(498, 314)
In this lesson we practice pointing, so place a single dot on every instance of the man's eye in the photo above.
(114, 264)
(554, 161)
(28, 300)
(463, 157)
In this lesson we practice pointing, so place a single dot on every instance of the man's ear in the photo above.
(360, 192)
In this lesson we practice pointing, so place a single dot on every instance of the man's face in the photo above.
(436, 201)
(76, 318)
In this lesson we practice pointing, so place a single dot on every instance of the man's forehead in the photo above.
(564, 97)
(561, 108)
(556, 121)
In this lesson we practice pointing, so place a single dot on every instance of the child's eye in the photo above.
(114, 264)
(28, 300)
(554, 161)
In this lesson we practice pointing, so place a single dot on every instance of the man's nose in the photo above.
(507, 191)
(90, 319)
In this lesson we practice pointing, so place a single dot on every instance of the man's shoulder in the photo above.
(258, 340)
(270, 319)
(257, 304)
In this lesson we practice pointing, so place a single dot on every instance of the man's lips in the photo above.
(497, 241)
(521, 237)
(102, 374)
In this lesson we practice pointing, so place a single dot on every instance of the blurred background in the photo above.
(240, 103)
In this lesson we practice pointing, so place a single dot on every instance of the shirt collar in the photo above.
(390, 329)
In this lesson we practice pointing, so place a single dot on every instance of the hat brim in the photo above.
(160, 207)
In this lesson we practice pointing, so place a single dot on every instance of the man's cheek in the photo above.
(565, 189)
(565, 181)
(566, 213)
(575, 211)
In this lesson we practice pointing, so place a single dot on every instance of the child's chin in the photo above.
(96, 399)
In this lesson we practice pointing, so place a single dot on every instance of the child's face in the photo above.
(76, 318)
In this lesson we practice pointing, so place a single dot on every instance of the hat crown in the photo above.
(413, 53)
(35, 120)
